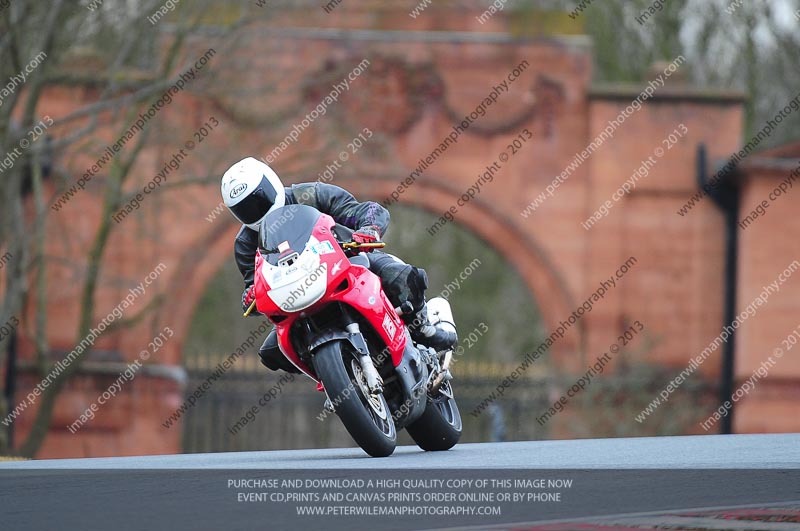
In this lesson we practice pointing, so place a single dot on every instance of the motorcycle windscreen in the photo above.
(292, 224)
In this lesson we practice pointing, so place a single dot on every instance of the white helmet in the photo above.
(250, 190)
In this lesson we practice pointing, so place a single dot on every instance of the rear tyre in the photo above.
(439, 427)
(366, 417)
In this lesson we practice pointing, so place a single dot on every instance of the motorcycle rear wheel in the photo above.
(366, 417)
(439, 427)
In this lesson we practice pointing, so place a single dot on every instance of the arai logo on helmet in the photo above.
(237, 190)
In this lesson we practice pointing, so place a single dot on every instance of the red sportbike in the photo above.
(335, 324)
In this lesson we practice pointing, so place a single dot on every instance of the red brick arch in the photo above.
(499, 230)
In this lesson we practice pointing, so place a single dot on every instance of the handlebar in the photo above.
(356, 245)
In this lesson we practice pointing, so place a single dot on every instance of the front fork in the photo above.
(374, 380)
(413, 375)
(420, 373)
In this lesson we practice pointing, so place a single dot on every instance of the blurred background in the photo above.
(118, 118)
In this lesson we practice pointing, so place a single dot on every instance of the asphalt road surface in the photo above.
(708, 451)
(610, 483)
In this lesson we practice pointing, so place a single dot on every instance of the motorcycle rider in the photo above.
(251, 189)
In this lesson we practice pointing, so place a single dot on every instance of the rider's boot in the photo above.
(436, 336)
(405, 285)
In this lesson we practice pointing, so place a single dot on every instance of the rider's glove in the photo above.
(368, 234)
(248, 296)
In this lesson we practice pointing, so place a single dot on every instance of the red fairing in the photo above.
(362, 291)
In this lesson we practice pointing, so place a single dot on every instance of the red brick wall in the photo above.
(767, 246)
(675, 289)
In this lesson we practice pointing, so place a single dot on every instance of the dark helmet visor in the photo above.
(256, 204)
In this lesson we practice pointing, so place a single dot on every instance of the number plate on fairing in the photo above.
(324, 247)
(389, 326)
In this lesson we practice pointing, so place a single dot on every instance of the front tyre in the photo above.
(365, 416)
(439, 427)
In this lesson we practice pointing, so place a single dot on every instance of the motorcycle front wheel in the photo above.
(365, 416)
